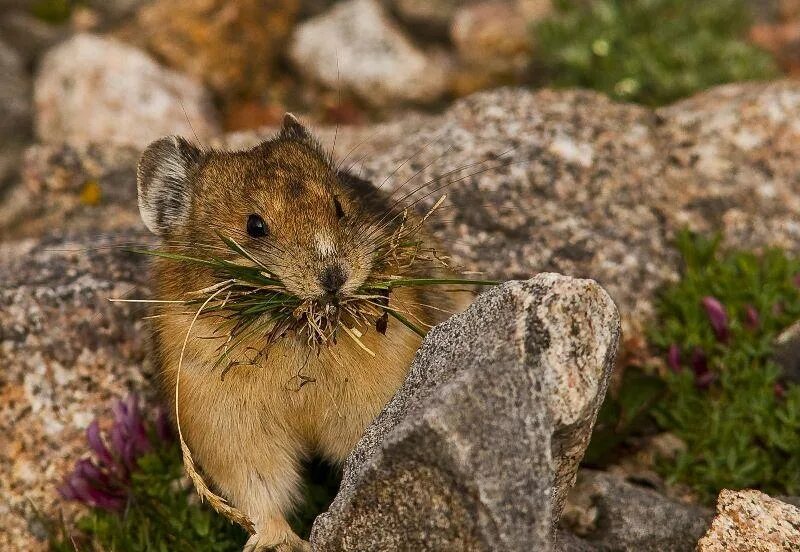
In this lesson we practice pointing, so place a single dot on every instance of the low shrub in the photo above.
(648, 51)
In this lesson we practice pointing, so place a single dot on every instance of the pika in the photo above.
(319, 230)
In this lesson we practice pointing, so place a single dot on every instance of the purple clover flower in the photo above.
(751, 318)
(674, 358)
(703, 376)
(718, 317)
(103, 479)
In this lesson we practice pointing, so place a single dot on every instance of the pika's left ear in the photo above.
(293, 129)
(164, 179)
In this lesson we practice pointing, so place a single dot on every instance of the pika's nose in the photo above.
(332, 279)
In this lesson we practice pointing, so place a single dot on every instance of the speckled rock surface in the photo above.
(750, 521)
(574, 183)
(478, 448)
(66, 353)
(609, 513)
(93, 89)
(65, 188)
(355, 46)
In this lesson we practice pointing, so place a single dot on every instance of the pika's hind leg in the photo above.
(266, 496)
(265, 489)
(276, 536)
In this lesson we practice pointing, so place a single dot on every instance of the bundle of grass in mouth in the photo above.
(249, 300)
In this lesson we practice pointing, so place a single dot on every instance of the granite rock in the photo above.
(571, 182)
(67, 353)
(355, 46)
(480, 445)
(610, 513)
(97, 90)
(750, 521)
(77, 189)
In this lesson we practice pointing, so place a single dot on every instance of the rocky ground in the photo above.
(548, 181)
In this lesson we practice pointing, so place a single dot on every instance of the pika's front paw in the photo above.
(287, 542)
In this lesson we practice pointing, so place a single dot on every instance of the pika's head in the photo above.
(284, 201)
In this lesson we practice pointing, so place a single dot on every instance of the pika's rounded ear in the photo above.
(291, 127)
(164, 181)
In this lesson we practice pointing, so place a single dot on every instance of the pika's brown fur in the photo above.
(250, 430)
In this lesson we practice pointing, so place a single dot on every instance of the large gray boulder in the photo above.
(478, 448)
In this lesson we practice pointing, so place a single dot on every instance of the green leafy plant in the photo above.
(625, 412)
(726, 398)
(138, 499)
(649, 51)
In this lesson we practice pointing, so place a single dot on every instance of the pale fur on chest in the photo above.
(294, 400)
(250, 431)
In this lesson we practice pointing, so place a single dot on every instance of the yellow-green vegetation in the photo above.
(649, 51)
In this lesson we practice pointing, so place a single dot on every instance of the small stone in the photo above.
(231, 46)
(492, 33)
(750, 521)
(355, 46)
(612, 514)
(92, 89)
(426, 18)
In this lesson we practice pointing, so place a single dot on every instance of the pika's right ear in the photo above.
(164, 180)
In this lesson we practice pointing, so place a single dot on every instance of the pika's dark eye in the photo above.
(256, 227)
(338, 207)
